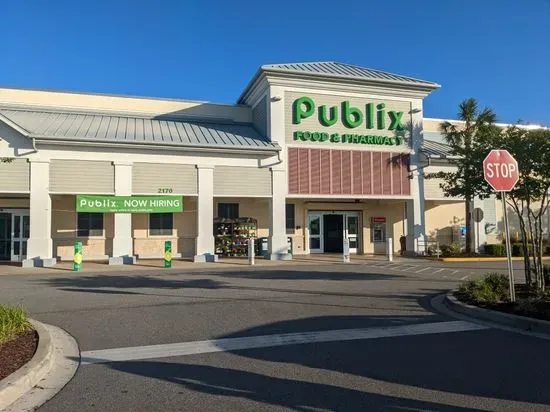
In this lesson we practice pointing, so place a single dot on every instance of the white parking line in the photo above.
(423, 270)
(439, 270)
(232, 344)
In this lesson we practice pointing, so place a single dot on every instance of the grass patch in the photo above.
(13, 321)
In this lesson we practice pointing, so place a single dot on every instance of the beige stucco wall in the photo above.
(124, 104)
(64, 232)
(431, 125)
(14, 203)
(183, 234)
(443, 220)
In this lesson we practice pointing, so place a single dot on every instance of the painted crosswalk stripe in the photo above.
(264, 341)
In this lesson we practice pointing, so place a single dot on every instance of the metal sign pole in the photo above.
(508, 249)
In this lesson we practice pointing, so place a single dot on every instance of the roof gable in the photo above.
(343, 72)
(331, 68)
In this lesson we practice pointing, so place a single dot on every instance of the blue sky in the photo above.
(494, 50)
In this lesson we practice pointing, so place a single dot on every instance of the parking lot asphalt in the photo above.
(365, 338)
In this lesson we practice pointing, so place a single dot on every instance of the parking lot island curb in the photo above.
(506, 319)
(53, 364)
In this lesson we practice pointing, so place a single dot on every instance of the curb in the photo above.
(506, 319)
(52, 366)
(13, 386)
(478, 259)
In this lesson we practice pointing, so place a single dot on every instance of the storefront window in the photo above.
(290, 220)
(161, 224)
(228, 210)
(89, 224)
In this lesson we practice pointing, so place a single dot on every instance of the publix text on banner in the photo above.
(129, 204)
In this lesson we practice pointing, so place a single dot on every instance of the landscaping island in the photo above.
(18, 340)
(492, 292)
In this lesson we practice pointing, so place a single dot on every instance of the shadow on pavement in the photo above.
(306, 275)
(129, 282)
(488, 363)
(119, 282)
(293, 394)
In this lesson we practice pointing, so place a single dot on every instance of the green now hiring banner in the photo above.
(129, 204)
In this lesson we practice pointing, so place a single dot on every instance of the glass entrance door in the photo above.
(5, 236)
(351, 231)
(315, 226)
(20, 226)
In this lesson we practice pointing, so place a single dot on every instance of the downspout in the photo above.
(34, 145)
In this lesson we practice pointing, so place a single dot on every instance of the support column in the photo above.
(39, 244)
(278, 244)
(123, 245)
(204, 245)
(416, 221)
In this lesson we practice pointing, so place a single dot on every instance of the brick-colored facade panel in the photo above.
(347, 172)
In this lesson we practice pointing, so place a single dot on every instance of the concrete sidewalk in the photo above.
(155, 264)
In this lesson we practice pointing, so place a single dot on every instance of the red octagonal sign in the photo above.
(500, 170)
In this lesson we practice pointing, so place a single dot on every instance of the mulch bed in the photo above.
(526, 304)
(16, 352)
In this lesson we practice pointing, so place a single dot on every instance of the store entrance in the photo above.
(5, 236)
(333, 233)
(14, 234)
(327, 231)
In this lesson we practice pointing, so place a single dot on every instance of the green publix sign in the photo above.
(129, 204)
(373, 117)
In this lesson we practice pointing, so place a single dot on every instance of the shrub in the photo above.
(546, 274)
(517, 249)
(495, 250)
(492, 288)
(450, 250)
(13, 321)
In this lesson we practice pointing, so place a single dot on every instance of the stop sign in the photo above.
(500, 170)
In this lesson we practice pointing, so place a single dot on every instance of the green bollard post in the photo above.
(168, 254)
(77, 258)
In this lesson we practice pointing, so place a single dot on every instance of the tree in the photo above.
(529, 199)
(466, 181)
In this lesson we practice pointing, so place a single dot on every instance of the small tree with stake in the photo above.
(530, 198)
(466, 181)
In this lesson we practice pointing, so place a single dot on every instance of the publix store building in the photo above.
(311, 154)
